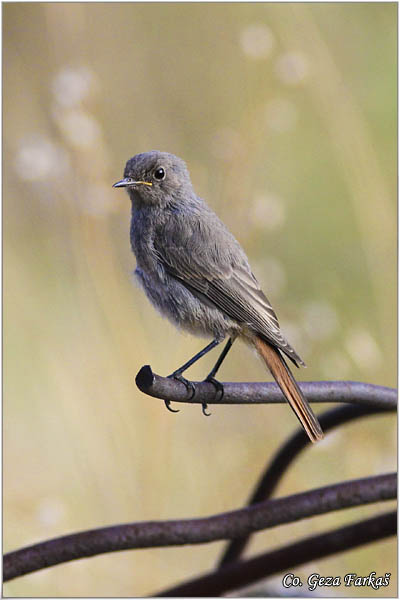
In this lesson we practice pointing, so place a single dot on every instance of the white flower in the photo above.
(273, 273)
(363, 349)
(71, 85)
(257, 41)
(320, 320)
(50, 511)
(39, 158)
(292, 68)
(79, 127)
(268, 211)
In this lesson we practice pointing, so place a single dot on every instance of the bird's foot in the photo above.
(190, 387)
(204, 409)
(219, 388)
(168, 406)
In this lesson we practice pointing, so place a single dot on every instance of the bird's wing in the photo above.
(213, 264)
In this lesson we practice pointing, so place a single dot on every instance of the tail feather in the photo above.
(284, 378)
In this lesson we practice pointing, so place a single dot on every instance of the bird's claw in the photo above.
(168, 406)
(190, 387)
(219, 388)
(204, 410)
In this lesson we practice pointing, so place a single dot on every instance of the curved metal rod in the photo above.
(285, 456)
(353, 392)
(246, 572)
(236, 523)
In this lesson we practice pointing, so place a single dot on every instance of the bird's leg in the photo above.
(211, 376)
(178, 373)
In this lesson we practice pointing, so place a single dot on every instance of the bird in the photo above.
(197, 275)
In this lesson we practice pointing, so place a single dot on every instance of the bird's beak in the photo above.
(128, 182)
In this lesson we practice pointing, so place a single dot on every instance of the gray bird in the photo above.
(197, 275)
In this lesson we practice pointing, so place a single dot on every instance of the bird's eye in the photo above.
(159, 173)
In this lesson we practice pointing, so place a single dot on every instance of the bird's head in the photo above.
(156, 178)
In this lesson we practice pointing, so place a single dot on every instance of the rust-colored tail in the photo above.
(290, 389)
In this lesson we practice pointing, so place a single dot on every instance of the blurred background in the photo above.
(286, 115)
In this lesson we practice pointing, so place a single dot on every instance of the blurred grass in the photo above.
(286, 115)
